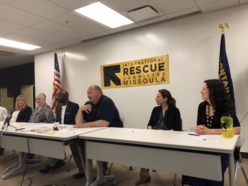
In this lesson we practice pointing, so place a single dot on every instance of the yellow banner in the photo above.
(149, 71)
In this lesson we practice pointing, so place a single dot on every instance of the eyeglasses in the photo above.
(39, 98)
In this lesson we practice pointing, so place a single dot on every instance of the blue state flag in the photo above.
(224, 70)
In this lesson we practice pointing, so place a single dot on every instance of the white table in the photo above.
(158, 150)
(42, 144)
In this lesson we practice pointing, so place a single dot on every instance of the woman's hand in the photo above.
(202, 129)
(149, 127)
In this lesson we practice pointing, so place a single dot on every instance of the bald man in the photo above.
(99, 111)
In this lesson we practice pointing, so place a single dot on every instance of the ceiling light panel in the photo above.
(15, 44)
(104, 15)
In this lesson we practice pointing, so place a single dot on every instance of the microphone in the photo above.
(7, 119)
(88, 114)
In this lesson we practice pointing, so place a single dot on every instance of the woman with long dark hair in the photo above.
(164, 117)
(216, 103)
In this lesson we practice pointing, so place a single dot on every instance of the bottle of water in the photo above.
(227, 126)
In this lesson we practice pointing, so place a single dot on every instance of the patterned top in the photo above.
(45, 115)
(161, 121)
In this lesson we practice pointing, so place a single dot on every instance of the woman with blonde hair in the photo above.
(21, 112)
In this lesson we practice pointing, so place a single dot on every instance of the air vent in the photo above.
(143, 13)
(7, 54)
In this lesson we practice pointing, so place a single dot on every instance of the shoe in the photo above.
(79, 175)
(143, 179)
(59, 164)
(105, 168)
(104, 174)
(45, 169)
(30, 156)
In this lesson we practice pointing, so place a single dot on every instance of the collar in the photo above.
(100, 100)
(168, 109)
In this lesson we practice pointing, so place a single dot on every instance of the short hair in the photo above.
(96, 87)
(63, 93)
(16, 103)
(42, 94)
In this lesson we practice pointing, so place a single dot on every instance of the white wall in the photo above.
(193, 45)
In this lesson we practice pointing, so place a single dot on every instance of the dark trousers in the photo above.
(76, 156)
(1, 150)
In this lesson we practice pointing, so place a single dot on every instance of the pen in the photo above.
(194, 134)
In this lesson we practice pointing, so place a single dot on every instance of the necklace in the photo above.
(209, 119)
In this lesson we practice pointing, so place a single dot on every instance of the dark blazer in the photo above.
(24, 114)
(70, 113)
(172, 119)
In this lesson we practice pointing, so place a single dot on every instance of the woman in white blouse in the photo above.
(21, 112)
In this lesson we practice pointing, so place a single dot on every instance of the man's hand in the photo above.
(87, 108)
(80, 125)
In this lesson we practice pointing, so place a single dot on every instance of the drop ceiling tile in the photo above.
(124, 6)
(55, 46)
(79, 22)
(28, 40)
(184, 12)
(202, 2)
(86, 37)
(73, 4)
(157, 19)
(70, 43)
(18, 16)
(243, 1)
(39, 34)
(37, 7)
(10, 26)
(3, 32)
(168, 7)
(105, 33)
(59, 29)
(218, 5)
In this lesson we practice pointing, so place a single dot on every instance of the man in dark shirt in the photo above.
(65, 114)
(99, 111)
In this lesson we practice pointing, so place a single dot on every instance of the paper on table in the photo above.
(200, 137)
(137, 130)
(187, 136)
(211, 137)
(17, 124)
(81, 131)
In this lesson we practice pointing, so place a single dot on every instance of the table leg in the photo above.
(19, 166)
(231, 169)
(88, 172)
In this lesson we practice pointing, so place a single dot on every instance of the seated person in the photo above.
(216, 103)
(21, 112)
(3, 115)
(41, 114)
(164, 117)
(65, 114)
(99, 111)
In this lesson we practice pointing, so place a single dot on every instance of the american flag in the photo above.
(56, 83)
